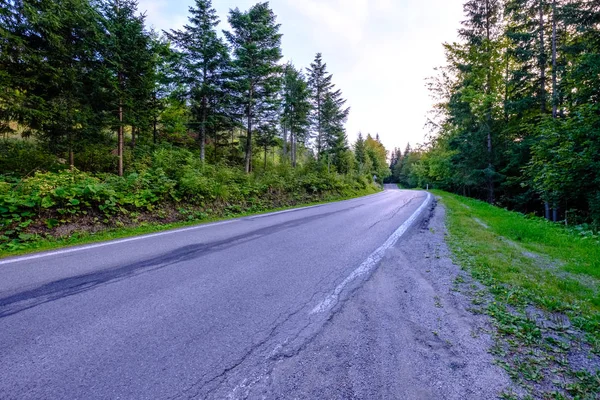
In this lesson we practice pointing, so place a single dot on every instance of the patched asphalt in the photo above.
(228, 311)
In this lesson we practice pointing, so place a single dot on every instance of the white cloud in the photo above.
(345, 19)
(379, 51)
(161, 15)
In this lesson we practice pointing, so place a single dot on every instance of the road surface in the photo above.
(227, 310)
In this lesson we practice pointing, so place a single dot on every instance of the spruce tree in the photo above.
(256, 45)
(359, 151)
(333, 116)
(319, 82)
(205, 62)
(481, 31)
(128, 57)
(49, 62)
(295, 110)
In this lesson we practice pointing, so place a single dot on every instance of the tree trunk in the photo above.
(120, 138)
(319, 138)
(554, 84)
(488, 89)
(265, 162)
(285, 136)
(216, 146)
(202, 138)
(120, 134)
(554, 103)
(248, 158)
(293, 144)
(542, 61)
(133, 133)
(506, 85)
(71, 153)
(155, 120)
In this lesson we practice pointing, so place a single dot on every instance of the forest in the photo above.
(517, 115)
(106, 122)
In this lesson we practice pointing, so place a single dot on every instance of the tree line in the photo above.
(87, 79)
(517, 116)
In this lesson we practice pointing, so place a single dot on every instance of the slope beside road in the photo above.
(344, 300)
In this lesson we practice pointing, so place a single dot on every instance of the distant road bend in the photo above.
(202, 312)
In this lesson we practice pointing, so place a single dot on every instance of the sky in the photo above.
(380, 52)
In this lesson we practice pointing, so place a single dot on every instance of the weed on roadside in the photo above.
(541, 291)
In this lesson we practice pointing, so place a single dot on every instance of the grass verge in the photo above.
(53, 243)
(542, 292)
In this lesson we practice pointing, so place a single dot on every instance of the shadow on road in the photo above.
(78, 284)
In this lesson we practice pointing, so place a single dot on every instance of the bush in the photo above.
(158, 178)
(97, 158)
(23, 157)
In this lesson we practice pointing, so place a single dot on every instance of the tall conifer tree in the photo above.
(295, 110)
(319, 82)
(256, 45)
(205, 62)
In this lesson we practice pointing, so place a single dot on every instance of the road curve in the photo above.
(195, 313)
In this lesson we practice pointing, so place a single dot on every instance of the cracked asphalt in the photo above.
(227, 310)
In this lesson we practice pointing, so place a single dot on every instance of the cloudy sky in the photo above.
(379, 51)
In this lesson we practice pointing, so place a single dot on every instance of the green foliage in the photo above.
(565, 163)
(328, 114)
(544, 283)
(41, 203)
(92, 90)
(23, 157)
(206, 61)
(517, 116)
(296, 110)
(375, 158)
(256, 45)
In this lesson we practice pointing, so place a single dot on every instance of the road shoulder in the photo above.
(407, 333)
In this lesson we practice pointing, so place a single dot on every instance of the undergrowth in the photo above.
(165, 186)
(544, 281)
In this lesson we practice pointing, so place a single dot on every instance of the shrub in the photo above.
(23, 157)
(166, 175)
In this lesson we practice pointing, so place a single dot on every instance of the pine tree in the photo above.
(129, 58)
(295, 110)
(205, 62)
(395, 165)
(359, 150)
(256, 44)
(527, 33)
(49, 63)
(334, 116)
(481, 31)
(319, 82)
(164, 82)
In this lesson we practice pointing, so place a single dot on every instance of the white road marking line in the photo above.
(308, 207)
(112, 242)
(152, 235)
(285, 211)
(371, 262)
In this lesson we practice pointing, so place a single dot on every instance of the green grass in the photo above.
(53, 243)
(532, 267)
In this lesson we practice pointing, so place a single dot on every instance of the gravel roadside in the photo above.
(406, 334)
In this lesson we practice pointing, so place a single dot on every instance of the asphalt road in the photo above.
(182, 314)
(225, 310)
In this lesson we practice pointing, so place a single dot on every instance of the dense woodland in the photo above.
(517, 120)
(107, 120)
